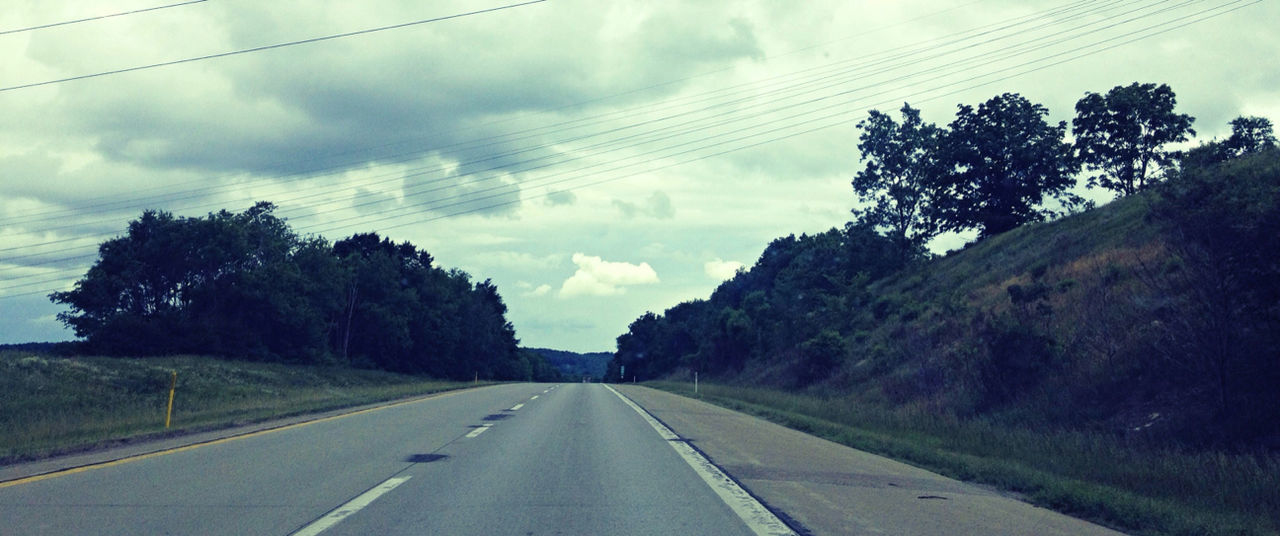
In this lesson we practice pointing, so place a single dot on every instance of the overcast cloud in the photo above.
(572, 150)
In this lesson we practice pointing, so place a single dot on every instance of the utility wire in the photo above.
(131, 199)
(1184, 21)
(315, 195)
(699, 128)
(270, 47)
(750, 89)
(508, 190)
(99, 17)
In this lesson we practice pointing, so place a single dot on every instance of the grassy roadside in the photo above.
(51, 405)
(1139, 489)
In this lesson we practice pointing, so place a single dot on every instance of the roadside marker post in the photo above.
(169, 412)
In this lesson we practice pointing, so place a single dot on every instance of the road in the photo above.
(507, 459)
(515, 459)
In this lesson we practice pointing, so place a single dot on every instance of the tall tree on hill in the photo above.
(1004, 160)
(898, 182)
(1123, 134)
(1250, 135)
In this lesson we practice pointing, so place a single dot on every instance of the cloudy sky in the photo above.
(595, 159)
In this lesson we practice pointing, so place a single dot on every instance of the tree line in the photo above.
(1002, 164)
(245, 285)
(810, 310)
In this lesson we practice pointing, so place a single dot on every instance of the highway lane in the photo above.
(508, 459)
(573, 461)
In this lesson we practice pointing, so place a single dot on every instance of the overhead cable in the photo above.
(99, 17)
(269, 47)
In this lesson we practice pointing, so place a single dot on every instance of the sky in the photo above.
(596, 160)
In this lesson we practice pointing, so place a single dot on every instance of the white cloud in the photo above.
(598, 277)
(721, 269)
(527, 289)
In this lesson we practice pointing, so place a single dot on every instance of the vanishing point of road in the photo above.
(520, 459)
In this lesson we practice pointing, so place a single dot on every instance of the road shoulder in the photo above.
(828, 488)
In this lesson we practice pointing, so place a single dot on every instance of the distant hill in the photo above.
(574, 365)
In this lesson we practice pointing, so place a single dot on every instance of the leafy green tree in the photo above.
(1224, 330)
(898, 181)
(635, 348)
(1004, 159)
(245, 285)
(1123, 134)
(1250, 135)
(170, 284)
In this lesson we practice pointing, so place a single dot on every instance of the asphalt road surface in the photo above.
(508, 459)
(524, 459)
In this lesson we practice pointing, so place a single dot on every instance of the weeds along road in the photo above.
(519, 459)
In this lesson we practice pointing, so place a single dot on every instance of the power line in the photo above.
(270, 47)
(99, 17)
(573, 178)
(749, 89)
(502, 191)
(311, 195)
(702, 127)
(131, 199)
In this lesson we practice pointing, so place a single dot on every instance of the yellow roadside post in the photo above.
(169, 412)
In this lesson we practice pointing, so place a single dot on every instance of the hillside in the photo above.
(1153, 316)
(573, 365)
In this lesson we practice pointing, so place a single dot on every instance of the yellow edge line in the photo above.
(193, 446)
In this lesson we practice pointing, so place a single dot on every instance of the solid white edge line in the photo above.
(478, 431)
(758, 518)
(352, 506)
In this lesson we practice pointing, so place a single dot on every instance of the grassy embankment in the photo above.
(1141, 490)
(50, 405)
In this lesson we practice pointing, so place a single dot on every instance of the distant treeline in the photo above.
(575, 366)
(1175, 315)
(245, 285)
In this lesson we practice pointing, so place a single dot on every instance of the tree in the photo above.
(1003, 159)
(1221, 223)
(245, 285)
(902, 166)
(223, 284)
(1123, 134)
(1250, 135)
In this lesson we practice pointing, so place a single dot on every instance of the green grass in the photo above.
(1140, 489)
(51, 405)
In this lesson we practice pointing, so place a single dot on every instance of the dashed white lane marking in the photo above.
(535, 397)
(352, 506)
(516, 407)
(758, 518)
(479, 430)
